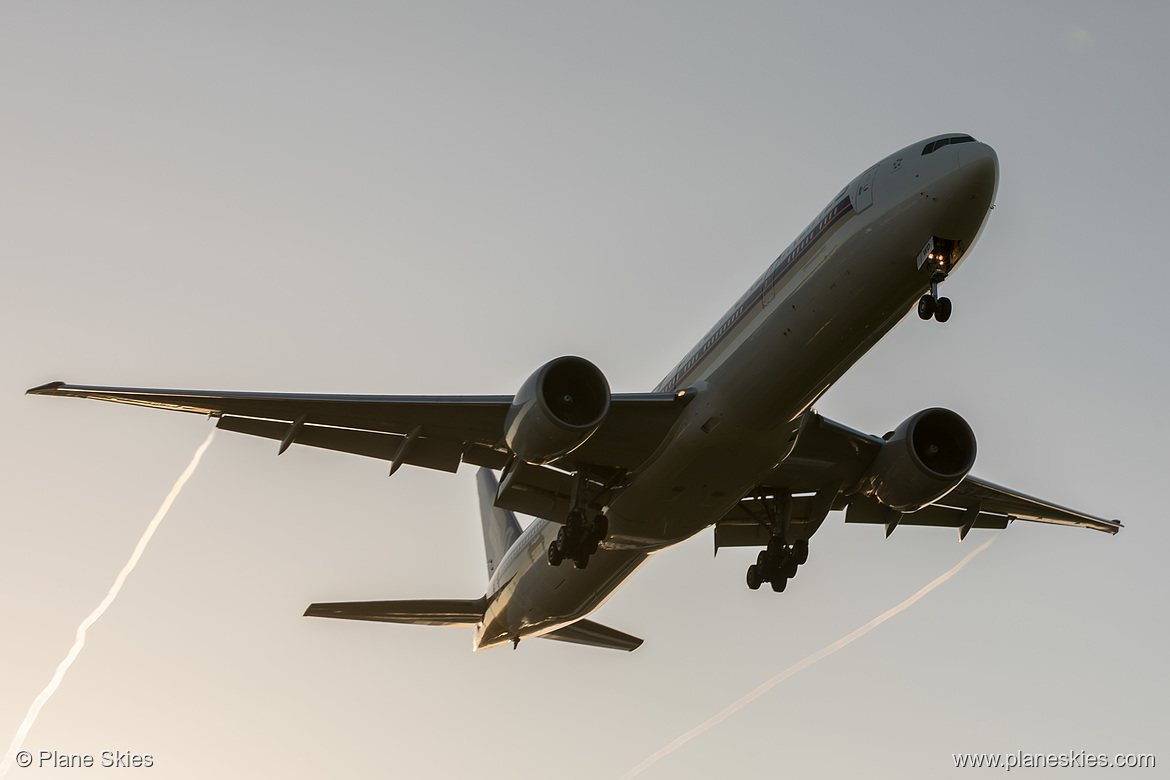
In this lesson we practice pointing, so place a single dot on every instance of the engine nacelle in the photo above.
(556, 410)
(926, 457)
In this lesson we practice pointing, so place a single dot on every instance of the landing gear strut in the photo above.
(578, 539)
(777, 564)
(930, 305)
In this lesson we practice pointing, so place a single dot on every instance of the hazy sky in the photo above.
(437, 198)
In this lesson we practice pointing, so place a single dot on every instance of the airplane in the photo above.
(728, 439)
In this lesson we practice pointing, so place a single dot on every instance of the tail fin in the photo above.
(500, 528)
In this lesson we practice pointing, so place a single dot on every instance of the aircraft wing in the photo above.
(980, 495)
(437, 432)
(830, 456)
(973, 492)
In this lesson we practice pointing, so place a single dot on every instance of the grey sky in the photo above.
(419, 198)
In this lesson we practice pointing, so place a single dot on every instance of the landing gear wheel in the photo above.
(762, 560)
(754, 580)
(944, 310)
(581, 561)
(596, 532)
(926, 307)
(800, 552)
(779, 584)
(776, 566)
(600, 528)
(788, 569)
(555, 555)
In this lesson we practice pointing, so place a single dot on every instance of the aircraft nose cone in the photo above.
(980, 166)
(967, 184)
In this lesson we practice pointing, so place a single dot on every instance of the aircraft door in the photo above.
(862, 193)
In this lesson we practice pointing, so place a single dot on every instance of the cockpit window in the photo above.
(940, 143)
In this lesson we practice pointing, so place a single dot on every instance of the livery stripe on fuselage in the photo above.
(746, 305)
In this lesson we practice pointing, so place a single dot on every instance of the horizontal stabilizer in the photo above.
(586, 632)
(427, 612)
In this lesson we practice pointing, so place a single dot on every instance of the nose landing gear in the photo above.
(930, 305)
(939, 256)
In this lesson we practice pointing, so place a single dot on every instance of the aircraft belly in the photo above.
(539, 597)
(745, 418)
(687, 490)
(818, 328)
(549, 597)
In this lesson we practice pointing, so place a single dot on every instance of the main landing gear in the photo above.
(930, 305)
(578, 539)
(777, 564)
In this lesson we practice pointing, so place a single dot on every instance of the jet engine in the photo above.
(556, 410)
(926, 457)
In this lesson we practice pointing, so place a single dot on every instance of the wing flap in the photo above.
(587, 632)
(871, 512)
(426, 612)
(424, 451)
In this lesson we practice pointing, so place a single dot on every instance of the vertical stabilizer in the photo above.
(500, 528)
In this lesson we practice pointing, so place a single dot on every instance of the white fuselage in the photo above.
(829, 297)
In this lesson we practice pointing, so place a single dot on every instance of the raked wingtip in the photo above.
(46, 389)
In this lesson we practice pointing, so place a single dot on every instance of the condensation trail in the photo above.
(79, 642)
(807, 662)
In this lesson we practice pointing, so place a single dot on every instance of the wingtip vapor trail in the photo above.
(824, 652)
(79, 642)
